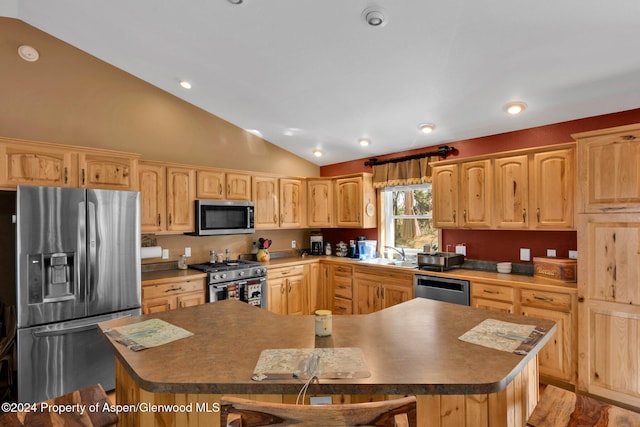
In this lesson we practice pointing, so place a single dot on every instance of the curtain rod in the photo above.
(442, 151)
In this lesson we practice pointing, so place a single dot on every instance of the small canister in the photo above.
(324, 323)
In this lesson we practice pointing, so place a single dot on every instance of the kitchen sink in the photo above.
(390, 262)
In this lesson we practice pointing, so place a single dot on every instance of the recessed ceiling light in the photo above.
(317, 153)
(185, 84)
(364, 142)
(374, 16)
(515, 107)
(28, 53)
(426, 127)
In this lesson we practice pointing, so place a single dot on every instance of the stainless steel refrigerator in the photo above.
(77, 264)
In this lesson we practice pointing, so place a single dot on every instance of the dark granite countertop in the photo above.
(410, 348)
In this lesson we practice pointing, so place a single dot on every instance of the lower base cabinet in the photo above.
(172, 295)
(374, 291)
(558, 362)
(287, 290)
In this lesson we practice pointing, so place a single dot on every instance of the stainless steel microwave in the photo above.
(218, 217)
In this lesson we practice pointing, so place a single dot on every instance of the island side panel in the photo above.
(511, 406)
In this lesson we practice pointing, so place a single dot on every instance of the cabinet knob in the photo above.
(538, 214)
(454, 216)
(580, 299)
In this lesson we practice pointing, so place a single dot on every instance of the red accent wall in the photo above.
(496, 245)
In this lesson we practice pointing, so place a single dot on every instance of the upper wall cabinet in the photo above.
(609, 173)
(220, 185)
(107, 170)
(462, 195)
(320, 202)
(355, 201)
(525, 189)
(167, 194)
(39, 163)
(279, 202)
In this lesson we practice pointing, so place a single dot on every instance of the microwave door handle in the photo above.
(248, 210)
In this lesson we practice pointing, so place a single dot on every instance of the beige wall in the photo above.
(71, 97)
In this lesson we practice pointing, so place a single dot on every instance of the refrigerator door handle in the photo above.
(81, 269)
(91, 250)
(65, 331)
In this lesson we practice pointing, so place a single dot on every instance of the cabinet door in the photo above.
(292, 203)
(368, 296)
(158, 305)
(180, 199)
(265, 197)
(238, 186)
(295, 291)
(318, 295)
(320, 207)
(609, 311)
(24, 164)
(210, 185)
(555, 356)
(153, 197)
(394, 294)
(191, 299)
(349, 203)
(511, 201)
(609, 170)
(107, 171)
(445, 196)
(553, 189)
(475, 197)
(276, 296)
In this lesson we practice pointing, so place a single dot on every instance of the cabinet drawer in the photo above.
(495, 292)
(342, 306)
(342, 287)
(285, 271)
(545, 299)
(342, 270)
(174, 288)
(386, 277)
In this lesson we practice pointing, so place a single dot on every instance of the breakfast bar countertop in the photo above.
(410, 348)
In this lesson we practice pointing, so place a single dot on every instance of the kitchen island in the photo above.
(411, 348)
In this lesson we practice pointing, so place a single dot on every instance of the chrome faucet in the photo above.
(400, 251)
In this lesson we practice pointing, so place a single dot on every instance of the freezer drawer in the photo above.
(58, 358)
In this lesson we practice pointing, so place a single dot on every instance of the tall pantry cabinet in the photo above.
(608, 219)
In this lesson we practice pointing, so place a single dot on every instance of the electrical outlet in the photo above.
(320, 400)
(165, 254)
(573, 254)
(525, 254)
(187, 251)
(293, 244)
(551, 252)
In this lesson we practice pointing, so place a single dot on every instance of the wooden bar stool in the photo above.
(562, 408)
(86, 397)
(237, 412)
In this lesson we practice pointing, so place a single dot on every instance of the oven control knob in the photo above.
(241, 273)
(224, 276)
(216, 277)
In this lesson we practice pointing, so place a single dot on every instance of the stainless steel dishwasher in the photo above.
(455, 291)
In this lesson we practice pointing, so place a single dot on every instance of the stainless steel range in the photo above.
(242, 280)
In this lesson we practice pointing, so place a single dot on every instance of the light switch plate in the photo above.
(461, 249)
(165, 254)
(551, 252)
(573, 254)
(525, 254)
(187, 251)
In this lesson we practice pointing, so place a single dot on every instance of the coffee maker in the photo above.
(316, 243)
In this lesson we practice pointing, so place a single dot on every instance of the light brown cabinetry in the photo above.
(286, 290)
(318, 278)
(492, 297)
(219, 185)
(609, 264)
(374, 291)
(462, 195)
(525, 189)
(557, 359)
(341, 277)
(609, 170)
(40, 163)
(320, 203)
(167, 194)
(355, 201)
(279, 202)
(179, 293)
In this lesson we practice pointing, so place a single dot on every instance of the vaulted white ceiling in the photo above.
(311, 74)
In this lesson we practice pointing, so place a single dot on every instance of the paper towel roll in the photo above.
(151, 252)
